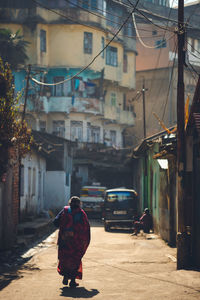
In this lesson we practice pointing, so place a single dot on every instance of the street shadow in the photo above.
(6, 279)
(79, 292)
(121, 230)
(11, 271)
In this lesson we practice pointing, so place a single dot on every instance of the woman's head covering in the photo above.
(74, 202)
(146, 210)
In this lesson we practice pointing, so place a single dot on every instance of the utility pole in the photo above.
(182, 236)
(26, 92)
(145, 158)
(144, 109)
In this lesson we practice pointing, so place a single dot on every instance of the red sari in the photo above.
(73, 240)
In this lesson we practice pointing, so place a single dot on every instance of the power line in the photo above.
(172, 72)
(104, 11)
(193, 75)
(144, 10)
(158, 59)
(193, 54)
(142, 14)
(193, 47)
(78, 22)
(195, 71)
(139, 37)
(86, 67)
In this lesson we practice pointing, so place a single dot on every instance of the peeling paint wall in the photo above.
(33, 171)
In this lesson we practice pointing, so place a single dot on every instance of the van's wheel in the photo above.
(106, 227)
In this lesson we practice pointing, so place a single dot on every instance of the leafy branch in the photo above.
(13, 131)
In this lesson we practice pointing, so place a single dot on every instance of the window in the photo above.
(113, 99)
(29, 181)
(94, 4)
(73, 3)
(67, 179)
(161, 44)
(124, 101)
(198, 45)
(113, 137)
(154, 32)
(58, 89)
(125, 63)
(22, 181)
(102, 46)
(115, 14)
(76, 131)
(95, 131)
(128, 29)
(85, 3)
(88, 42)
(43, 40)
(63, 89)
(89, 132)
(111, 56)
(42, 125)
(33, 182)
(59, 128)
(192, 45)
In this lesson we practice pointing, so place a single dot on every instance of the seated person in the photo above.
(145, 223)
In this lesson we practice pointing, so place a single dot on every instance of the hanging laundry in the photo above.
(81, 86)
(91, 88)
(77, 83)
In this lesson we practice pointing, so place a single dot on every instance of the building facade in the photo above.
(80, 71)
(157, 68)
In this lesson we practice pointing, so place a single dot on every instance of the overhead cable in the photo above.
(102, 17)
(141, 41)
(170, 82)
(92, 61)
(81, 23)
(142, 14)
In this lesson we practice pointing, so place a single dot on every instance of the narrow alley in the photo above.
(116, 266)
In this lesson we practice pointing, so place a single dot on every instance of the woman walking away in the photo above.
(73, 240)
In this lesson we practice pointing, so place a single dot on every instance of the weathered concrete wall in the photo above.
(32, 191)
(164, 203)
(57, 193)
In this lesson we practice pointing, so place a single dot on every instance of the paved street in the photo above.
(116, 266)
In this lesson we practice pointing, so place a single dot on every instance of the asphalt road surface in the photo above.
(116, 266)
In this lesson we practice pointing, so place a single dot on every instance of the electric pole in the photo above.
(144, 110)
(182, 237)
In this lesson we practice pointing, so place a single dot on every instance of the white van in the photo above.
(92, 198)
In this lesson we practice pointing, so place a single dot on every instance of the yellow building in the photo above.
(66, 37)
(82, 67)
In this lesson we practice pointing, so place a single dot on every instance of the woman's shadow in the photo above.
(79, 292)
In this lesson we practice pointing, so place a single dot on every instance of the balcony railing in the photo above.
(117, 115)
(70, 104)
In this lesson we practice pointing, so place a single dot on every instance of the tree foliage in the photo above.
(12, 47)
(13, 131)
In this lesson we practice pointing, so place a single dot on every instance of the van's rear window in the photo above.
(92, 192)
(120, 196)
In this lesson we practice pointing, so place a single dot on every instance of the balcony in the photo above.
(79, 105)
(73, 14)
(119, 116)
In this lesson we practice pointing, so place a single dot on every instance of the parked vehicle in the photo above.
(119, 208)
(92, 198)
